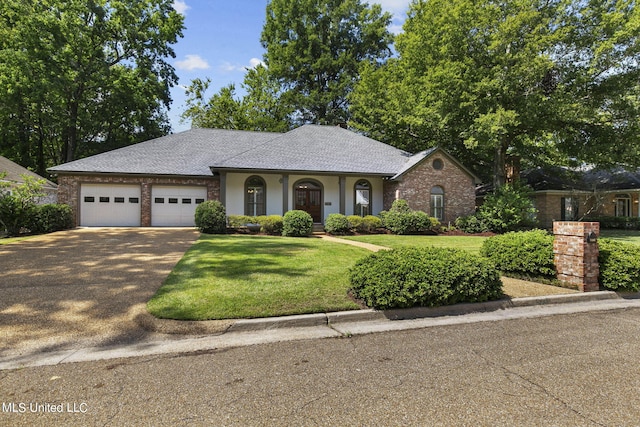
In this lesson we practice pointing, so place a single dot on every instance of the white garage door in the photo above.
(109, 205)
(175, 206)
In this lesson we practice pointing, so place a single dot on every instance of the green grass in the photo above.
(7, 240)
(468, 243)
(629, 236)
(223, 277)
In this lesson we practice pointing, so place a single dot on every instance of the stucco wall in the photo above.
(330, 192)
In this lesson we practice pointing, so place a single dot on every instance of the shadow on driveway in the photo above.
(83, 287)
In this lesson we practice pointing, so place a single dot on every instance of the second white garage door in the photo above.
(175, 206)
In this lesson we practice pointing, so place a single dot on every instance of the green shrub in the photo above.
(371, 223)
(241, 220)
(524, 253)
(211, 217)
(510, 208)
(403, 221)
(297, 223)
(356, 222)
(271, 224)
(409, 277)
(471, 224)
(619, 265)
(51, 217)
(337, 224)
(15, 215)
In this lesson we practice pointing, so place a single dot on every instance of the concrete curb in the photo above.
(217, 327)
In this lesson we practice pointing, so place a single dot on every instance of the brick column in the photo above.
(575, 253)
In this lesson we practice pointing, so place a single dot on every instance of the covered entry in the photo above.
(308, 197)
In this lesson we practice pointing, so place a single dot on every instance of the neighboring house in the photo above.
(15, 176)
(318, 169)
(563, 194)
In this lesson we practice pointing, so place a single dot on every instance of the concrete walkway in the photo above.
(369, 246)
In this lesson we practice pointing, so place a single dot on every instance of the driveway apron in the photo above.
(82, 287)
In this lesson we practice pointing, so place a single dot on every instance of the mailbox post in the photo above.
(575, 253)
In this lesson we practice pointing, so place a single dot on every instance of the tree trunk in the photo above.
(499, 165)
(72, 132)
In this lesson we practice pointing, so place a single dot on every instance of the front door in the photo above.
(308, 198)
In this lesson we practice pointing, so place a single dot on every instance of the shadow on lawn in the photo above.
(237, 257)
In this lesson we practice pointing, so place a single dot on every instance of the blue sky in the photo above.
(222, 39)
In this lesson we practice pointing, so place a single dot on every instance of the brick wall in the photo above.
(415, 187)
(576, 260)
(69, 189)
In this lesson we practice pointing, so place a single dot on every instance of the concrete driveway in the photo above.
(82, 287)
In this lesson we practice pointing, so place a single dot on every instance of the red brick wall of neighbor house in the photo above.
(549, 206)
(415, 188)
(69, 189)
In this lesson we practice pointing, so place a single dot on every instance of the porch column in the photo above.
(343, 194)
(223, 188)
(285, 194)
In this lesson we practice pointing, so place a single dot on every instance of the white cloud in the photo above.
(398, 8)
(192, 62)
(181, 7)
(228, 67)
(254, 62)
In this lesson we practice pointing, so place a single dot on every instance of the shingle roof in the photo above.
(185, 153)
(15, 171)
(316, 148)
(561, 178)
(196, 152)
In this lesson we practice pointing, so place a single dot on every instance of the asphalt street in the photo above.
(561, 370)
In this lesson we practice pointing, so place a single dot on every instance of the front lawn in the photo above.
(468, 243)
(629, 236)
(222, 277)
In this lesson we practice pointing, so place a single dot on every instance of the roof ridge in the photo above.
(276, 136)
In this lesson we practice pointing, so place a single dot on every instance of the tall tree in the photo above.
(487, 79)
(314, 48)
(83, 76)
(260, 109)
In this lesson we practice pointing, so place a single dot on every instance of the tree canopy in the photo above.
(81, 77)
(314, 49)
(260, 109)
(546, 80)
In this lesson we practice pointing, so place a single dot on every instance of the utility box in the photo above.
(575, 253)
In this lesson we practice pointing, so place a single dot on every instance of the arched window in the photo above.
(362, 199)
(437, 202)
(255, 196)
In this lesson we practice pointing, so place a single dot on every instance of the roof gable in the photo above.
(15, 171)
(422, 156)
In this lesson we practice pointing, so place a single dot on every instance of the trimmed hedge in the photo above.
(297, 223)
(337, 224)
(211, 217)
(271, 224)
(619, 265)
(409, 277)
(525, 253)
(401, 219)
